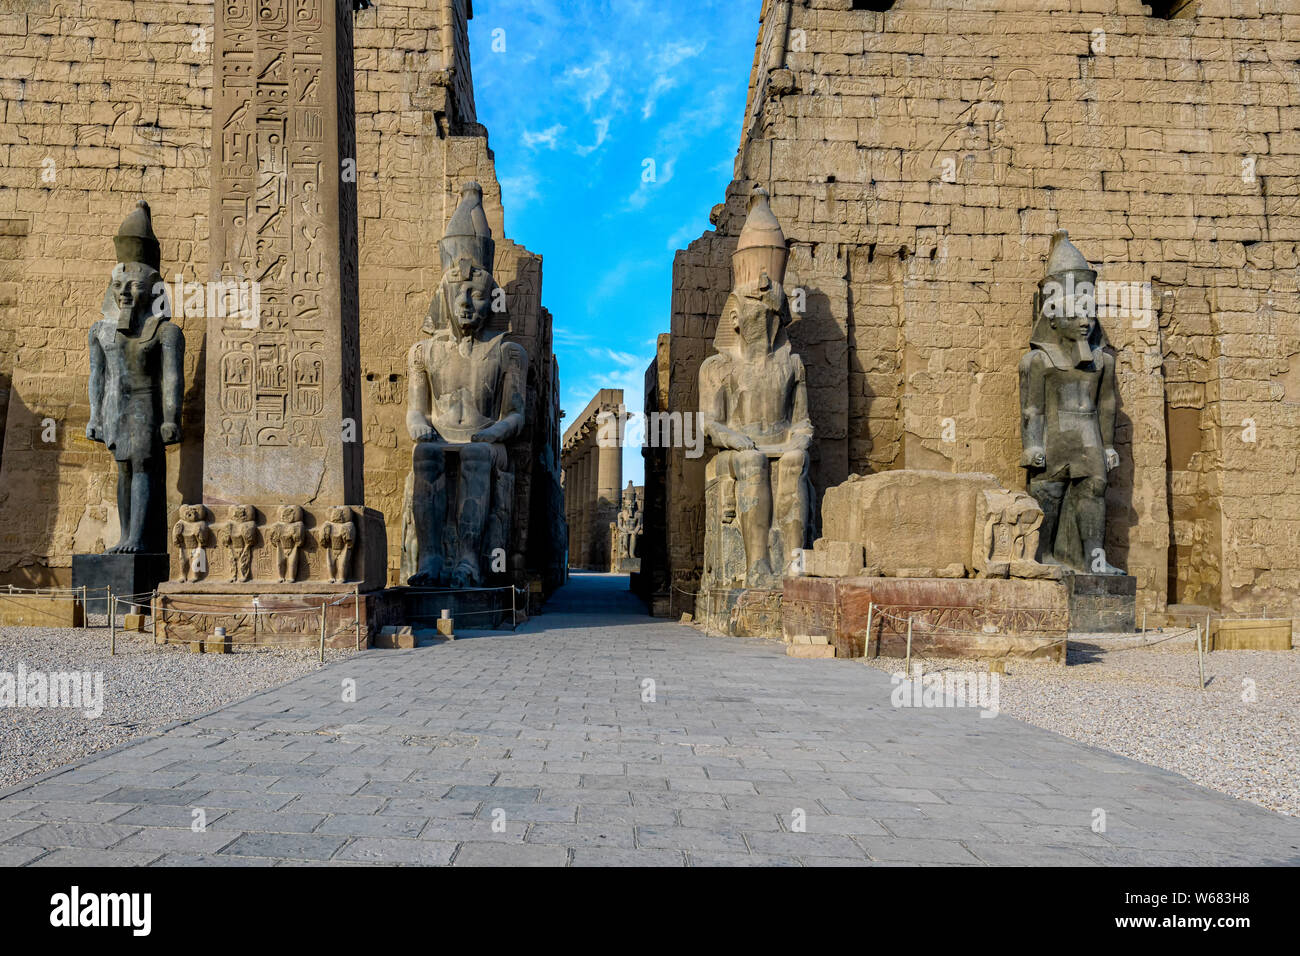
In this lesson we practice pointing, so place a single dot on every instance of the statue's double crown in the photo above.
(468, 235)
(761, 248)
(135, 240)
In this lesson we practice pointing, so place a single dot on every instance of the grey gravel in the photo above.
(145, 687)
(1144, 703)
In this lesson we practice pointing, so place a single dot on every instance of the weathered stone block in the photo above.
(970, 617)
(1265, 634)
(1102, 602)
(41, 610)
(126, 574)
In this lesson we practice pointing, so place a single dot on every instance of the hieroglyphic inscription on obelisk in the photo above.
(282, 396)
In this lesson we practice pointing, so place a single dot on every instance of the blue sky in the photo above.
(583, 95)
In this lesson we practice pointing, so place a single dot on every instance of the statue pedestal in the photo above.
(1102, 602)
(952, 617)
(740, 612)
(124, 573)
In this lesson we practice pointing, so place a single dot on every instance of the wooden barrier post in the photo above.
(513, 620)
(112, 624)
(356, 612)
(322, 631)
(907, 665)
(1200, 656)
(866, 641)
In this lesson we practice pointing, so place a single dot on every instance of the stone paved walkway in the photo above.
(544, 733)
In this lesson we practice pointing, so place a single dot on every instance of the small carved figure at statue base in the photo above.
(286, 537)
(190, 536)
(239, 537)
(337, 536)
(1068, 402)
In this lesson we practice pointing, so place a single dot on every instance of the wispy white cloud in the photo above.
(592, 81)
(602, 133)
(547, 137)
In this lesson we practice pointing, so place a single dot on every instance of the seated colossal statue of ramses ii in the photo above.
(464, 406)
(754, 409)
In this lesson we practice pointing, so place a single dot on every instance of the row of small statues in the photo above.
(239, 537)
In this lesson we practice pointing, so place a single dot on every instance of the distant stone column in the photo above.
(609, 483)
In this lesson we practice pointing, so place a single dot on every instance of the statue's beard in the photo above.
(128, 317)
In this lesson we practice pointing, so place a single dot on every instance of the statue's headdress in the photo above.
(468, 235)
(761, 247)
(466, 245)
(135, 240)
(758, 267)
(136, 244)
(1064, 259)
(1066, 268)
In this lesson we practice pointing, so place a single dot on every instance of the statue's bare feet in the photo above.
(465, 576)
(421, 579)
(128, 548)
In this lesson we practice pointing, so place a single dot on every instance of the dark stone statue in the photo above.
(1067, 422)
(136, 384)
(465, 405)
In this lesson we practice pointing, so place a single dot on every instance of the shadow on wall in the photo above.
(29, 502)
(189, 477)
(1121, 517)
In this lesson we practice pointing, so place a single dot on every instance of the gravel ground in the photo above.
(145, 687)
(1144, 704)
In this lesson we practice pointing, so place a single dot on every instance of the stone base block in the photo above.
(962, 617)
(1264, 634)
(740, 612)
(396, 637)
(41, 610)
(1102, 602)
(124, 573)
(133, 622)
(815, 651)
(271, 619)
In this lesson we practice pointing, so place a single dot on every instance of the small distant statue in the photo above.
(137, 378)
(337, 536)
(628, 523)
(286, 536)
(239, 536)
(754, 408)
(190, 535)
(465, 404)
(1068, 402)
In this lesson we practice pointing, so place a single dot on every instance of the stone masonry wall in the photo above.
(920, 158)
(113, 97)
